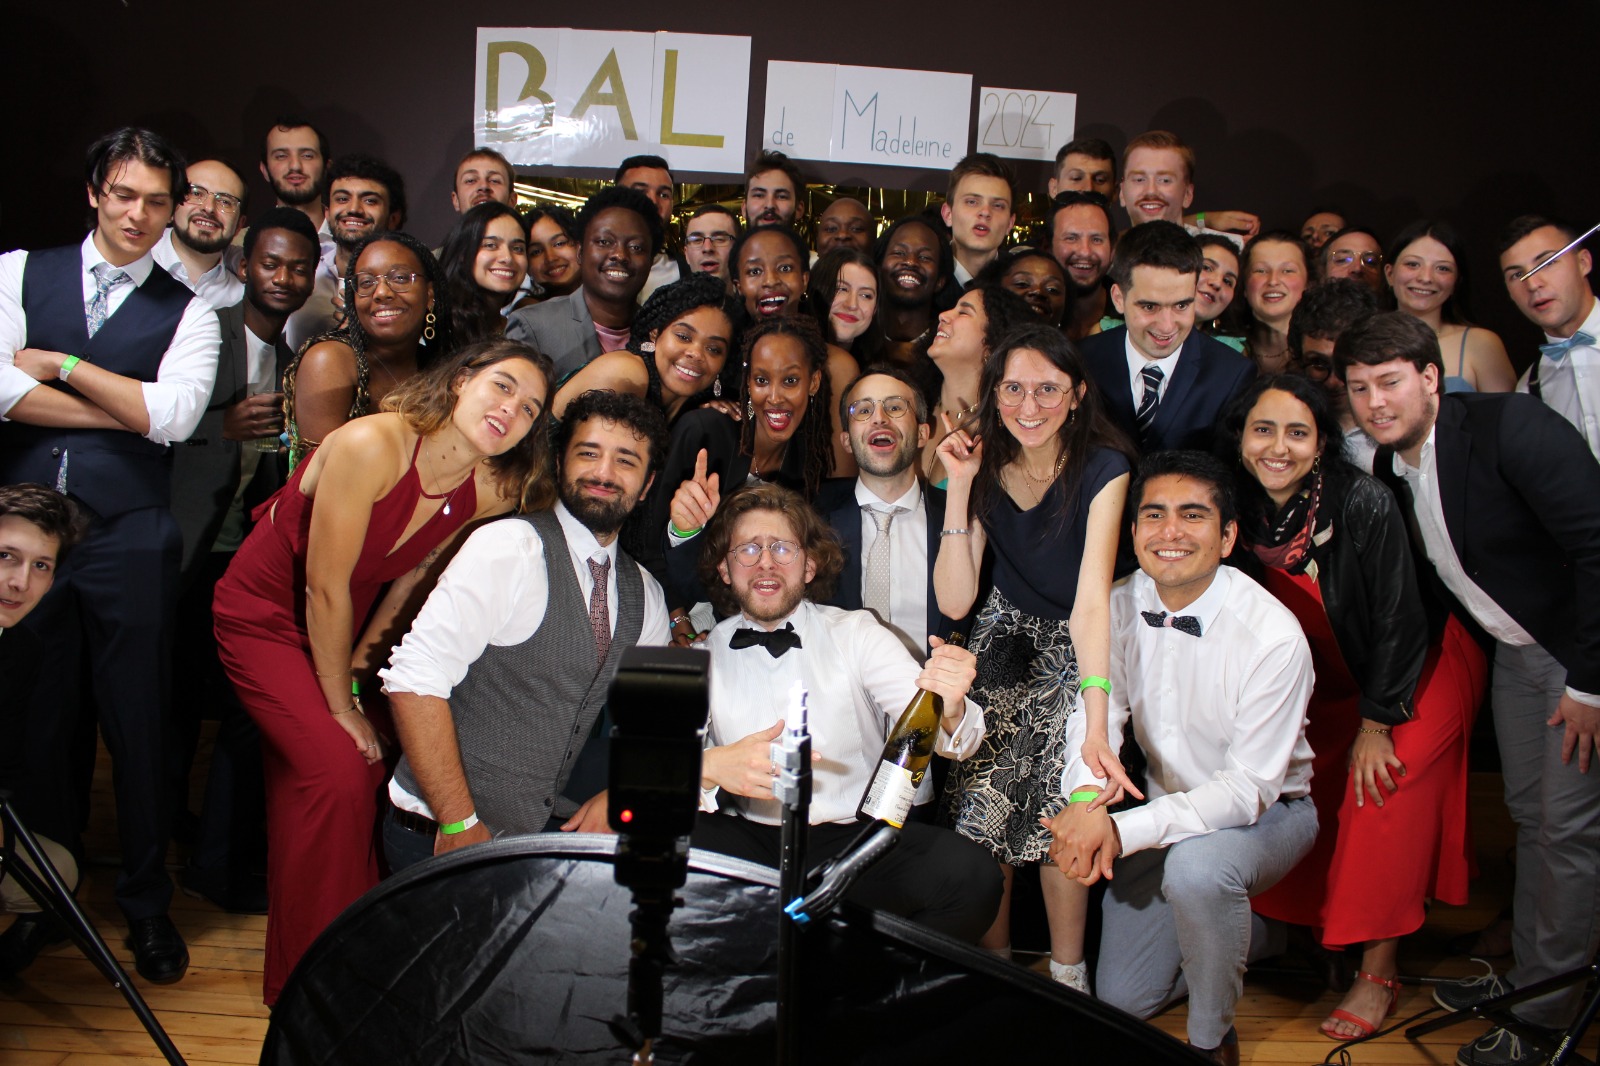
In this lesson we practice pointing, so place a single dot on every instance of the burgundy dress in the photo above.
(1372, 867)
(322, 797)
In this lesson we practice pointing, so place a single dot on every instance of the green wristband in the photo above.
(66, 366)
(355, 687)
(1095, 682)
(1082, 797)
(1200, 220)
(460, 827)
(683, 534)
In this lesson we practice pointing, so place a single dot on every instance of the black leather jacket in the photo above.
(1363, 568)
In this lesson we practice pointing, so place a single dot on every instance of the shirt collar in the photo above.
(1591, 323)
(138, 270)
(800, 616)
(1205, 609)
(581, 539)
(1137, 360)
(1405, 469)
(910, 501)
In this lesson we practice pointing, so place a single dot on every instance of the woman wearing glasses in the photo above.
(401, 325)
(375, 505)
(1040, 484)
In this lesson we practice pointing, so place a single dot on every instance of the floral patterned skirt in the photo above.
(1027, 684)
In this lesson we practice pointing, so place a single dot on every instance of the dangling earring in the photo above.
(1072, 416)
(749, 409)
(1316, 465)
(648, 347)
(427, 327)
(716, 388)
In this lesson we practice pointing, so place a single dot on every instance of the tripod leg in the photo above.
(52, 894)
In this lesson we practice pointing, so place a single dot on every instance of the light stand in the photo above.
(1497, 1009)
(791, 757)
(44, 885)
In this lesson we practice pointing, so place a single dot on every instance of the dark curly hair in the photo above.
(629, 200)
(815, 536)
(995, 274)
(815, 432)
(1252, 499)
(1003, 311)
(474, 311)
(670, 303)
(431, 351)
(641, 416)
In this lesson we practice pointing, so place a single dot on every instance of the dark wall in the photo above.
(1390, 111)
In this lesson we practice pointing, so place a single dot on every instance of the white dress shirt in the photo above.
(175, 400)
(1137, 361)
(1360, 448)
(495, 591)
(219, 287)
(1571, 386)
(908, 564)
(858, 679)
(1221, 716)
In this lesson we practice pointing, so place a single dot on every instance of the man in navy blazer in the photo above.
(1164, 381)
(1502, 497)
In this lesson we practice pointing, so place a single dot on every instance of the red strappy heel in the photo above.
(1364, 1027)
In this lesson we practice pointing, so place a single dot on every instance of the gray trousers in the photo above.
(1177, 921)
(1556, 809)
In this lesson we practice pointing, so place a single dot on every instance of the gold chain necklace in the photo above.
(1061, 461)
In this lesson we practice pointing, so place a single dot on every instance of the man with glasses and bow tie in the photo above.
(1215, 675)
(767, 556)
(106, 361)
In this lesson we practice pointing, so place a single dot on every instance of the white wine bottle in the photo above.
(905, 757)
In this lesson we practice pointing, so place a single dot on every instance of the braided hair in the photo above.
(670, 303)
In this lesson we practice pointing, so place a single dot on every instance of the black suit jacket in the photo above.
(205, 469)
(1209, 374)
(1520, 492)
(837, 503)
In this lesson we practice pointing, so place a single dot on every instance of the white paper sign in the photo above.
(1025, 123)
(563, 97)
(799, 114)
(905, 118)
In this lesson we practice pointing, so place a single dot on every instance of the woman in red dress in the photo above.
(371, 507)
(1391, 712)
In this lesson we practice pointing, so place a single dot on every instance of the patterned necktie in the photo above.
(875, 575)
(1558, 351)
(776, 642)
(1183, 623)
(1151, 375)
(106, 278)
(599, 609)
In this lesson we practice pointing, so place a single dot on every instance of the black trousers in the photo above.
(932, 876)
(106, 628)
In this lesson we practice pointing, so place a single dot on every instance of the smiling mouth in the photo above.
(771, 305)
(778, 419)
(766, 586)
(1030, 423)
(1172, 553)
(908, 278)
(496, 425)
(1277, 466)
(688, 372)
(387, 313)
(881, 439)
(614, 273)
(1152, 207)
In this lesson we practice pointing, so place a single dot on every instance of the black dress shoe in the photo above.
(158, 949)
(21, 944)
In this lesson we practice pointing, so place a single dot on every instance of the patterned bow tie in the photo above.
(1183, 623)
(776, 642)
(1558, 351)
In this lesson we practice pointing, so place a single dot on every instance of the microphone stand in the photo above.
(791, 757)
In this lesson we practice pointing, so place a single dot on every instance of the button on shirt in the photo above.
(1221, 716)
(1570, 386)
(908, 564)
(1137, 362)
(858, 679)
(175, 400)
(219, 287)
(495, 591)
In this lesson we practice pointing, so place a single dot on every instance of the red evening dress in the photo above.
(322, 797)
(1372, 867)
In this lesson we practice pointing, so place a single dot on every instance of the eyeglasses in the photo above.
(399, 281)
(893, 407)
(1370, 260)
(717, 240)
(1047, 396)
(1316, 367)
(783, 552)
(226, 202)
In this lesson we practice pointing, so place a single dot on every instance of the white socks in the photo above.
(1074, 975)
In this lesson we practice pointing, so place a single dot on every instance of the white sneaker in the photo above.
(1075, 975)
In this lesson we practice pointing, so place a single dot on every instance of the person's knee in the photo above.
(1200, 875)
(1128, 988)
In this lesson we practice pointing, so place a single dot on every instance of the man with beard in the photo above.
(914, 264)
(229, 465)
(1502, 498)
(202, 228)
(767, 556)
(1082, 240)
(294, 157)
(504, 672)
(621, 234)
(773, 188)
(364, 195)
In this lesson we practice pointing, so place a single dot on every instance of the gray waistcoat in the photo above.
(523, 712)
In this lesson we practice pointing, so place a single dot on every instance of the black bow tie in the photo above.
(776, 642)
(1183, 623)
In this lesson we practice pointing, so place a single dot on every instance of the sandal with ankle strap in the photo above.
(1364, 1027)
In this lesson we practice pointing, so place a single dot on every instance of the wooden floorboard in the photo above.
(61, 1012)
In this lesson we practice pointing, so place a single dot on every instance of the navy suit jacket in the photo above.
(837, 504)
(1520, 492)
(1208, 376)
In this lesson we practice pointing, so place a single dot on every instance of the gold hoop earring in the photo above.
(427, 326)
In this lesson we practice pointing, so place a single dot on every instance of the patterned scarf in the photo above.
(1285, 543)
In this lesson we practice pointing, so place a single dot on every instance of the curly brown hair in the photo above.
(428, 401)
(814, 535)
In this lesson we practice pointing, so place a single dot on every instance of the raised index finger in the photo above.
(700, 466)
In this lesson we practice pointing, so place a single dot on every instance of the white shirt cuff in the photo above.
(1588, 699)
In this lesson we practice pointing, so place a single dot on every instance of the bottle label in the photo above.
(889, 798)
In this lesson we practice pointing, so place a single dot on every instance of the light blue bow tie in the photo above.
(1559, 349)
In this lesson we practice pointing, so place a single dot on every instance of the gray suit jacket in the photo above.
(205, 468)
(560, 328)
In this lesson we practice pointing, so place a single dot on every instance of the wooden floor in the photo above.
(62, 1012)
